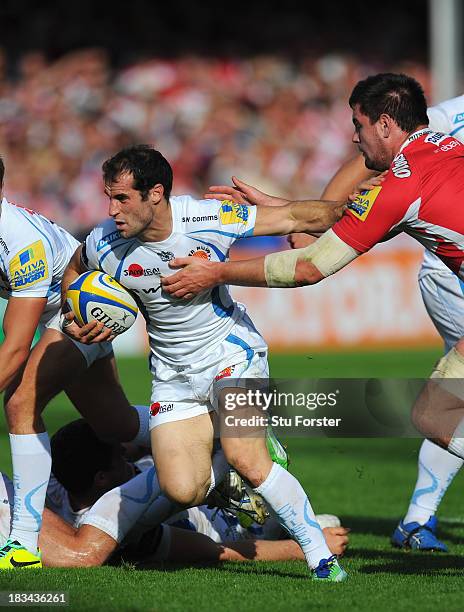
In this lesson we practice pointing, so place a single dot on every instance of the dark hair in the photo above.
(77, 456)
(2, 171)
(147, 166)
(397, 95)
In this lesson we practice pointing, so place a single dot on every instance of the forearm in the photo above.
(315, 216)
(72, 271)
(247, 273)
(261, 550)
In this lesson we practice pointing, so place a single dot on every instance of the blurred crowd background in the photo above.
(261, 95)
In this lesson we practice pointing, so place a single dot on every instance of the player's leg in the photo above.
(444, 301)
(182, 453)
(55, 363)
(283, 494)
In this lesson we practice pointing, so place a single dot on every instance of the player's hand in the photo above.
(242, 193)
(299, 241)
(91, 333)
(337, 539)
(196, 276)
(367, 185)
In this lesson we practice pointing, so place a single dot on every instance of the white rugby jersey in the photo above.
(34, 253)
(180, 331)
(446, 117)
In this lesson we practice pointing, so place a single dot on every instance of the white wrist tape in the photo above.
(328, 254)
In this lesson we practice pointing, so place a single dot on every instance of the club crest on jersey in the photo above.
(225, 373)
(230, 212)
(364, 202)
(400, 166)
(165, 255)
(203, 252)
(29, 266)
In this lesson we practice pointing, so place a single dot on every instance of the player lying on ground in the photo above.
(33, 255)
(442, 293)
(425, 169)
(74, 534)
(194, 344)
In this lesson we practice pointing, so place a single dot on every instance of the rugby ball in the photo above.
(95, 296)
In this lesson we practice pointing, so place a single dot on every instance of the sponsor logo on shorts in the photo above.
(230, 212)
(4, 245)
(400, 167)
(165, 255)
(157, 408)
(458, 118)
(203, 252)
(364, 202)
(225, 373)
(137, 271)
(29, 266)
(108, 239)
(201, 219)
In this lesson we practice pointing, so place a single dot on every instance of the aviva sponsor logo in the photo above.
(364, 202)
(29, 266)
(230, 212)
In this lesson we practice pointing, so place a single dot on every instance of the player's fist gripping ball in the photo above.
(95, 296)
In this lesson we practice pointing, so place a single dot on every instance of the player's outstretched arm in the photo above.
(242, 193)
(20, 321)
(296, 268)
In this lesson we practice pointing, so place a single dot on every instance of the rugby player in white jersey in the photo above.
(76, 534)
(33, 255)
(194, 343)
(442, 292)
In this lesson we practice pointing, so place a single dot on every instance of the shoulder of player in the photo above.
(17, 233)
(104, 234)
(193, 215)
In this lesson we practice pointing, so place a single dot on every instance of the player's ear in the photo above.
(385, 125)
(156, 193)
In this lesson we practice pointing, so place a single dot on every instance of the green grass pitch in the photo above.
(366, 482)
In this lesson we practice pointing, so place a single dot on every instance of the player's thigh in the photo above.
(52, 365)
(182, 454)
(444, 301)
(99, 397)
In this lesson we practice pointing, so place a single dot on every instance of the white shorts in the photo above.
(90, 352)
(6, 507)
(443, 295)
(184, 392)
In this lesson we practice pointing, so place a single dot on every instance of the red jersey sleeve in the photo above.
(371, 217)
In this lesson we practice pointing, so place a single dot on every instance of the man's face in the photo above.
(370, 142)
(131, 214)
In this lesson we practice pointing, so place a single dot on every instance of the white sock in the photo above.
(219, 468)
(118, 510)
(32, 464)
(456, 445)
(143, 435)
(437, 468)
(286, 497)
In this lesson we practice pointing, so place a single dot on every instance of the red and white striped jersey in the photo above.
(422, 195)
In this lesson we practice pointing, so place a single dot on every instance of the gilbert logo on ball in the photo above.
(96, 296)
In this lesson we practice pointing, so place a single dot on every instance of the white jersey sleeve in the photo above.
(94, 248)
(29, 267)
(448, 117)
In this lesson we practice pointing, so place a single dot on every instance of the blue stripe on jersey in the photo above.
(54, 288)
(220, 254)
(221, 233)
(117, 276)
(110, 250)
(220, 309)
(239, 342)
(456, 130)
(26, 216)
